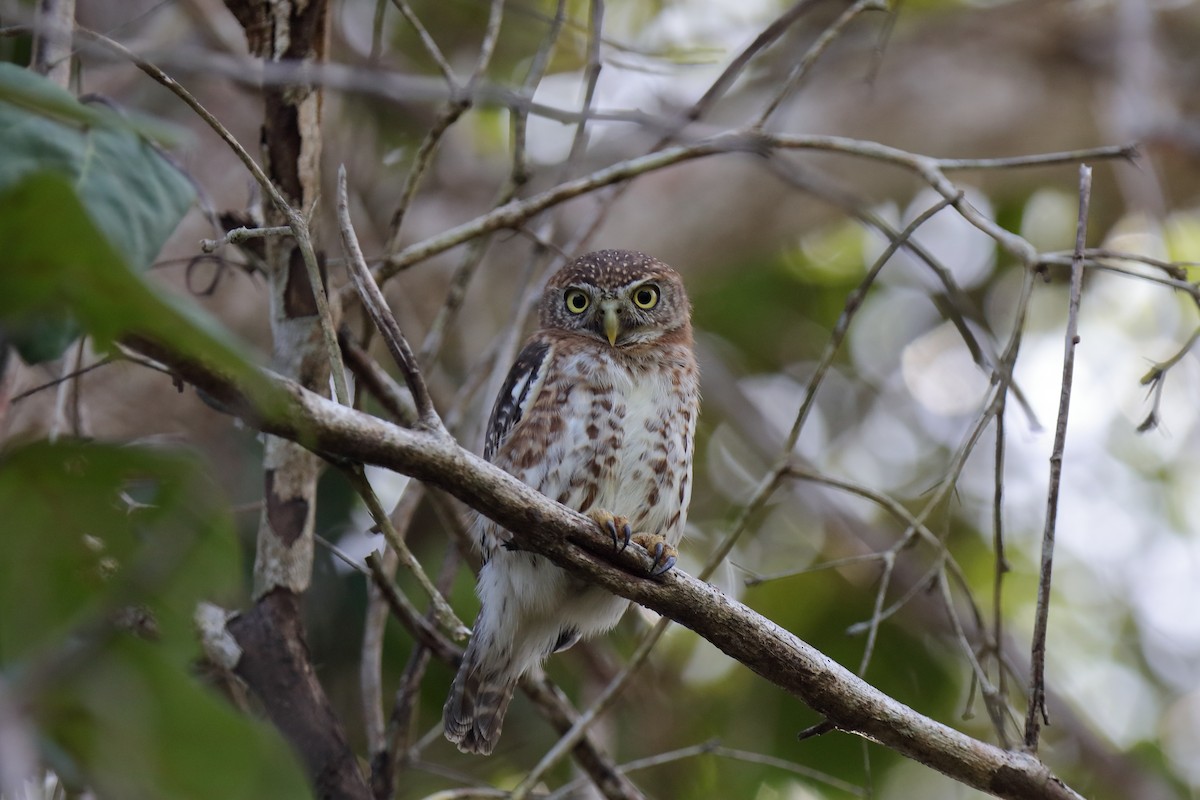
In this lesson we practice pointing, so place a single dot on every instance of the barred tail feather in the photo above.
(479, 698)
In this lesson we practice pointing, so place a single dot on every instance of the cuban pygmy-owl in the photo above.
(598, 412)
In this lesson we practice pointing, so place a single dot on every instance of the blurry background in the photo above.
(770, 254)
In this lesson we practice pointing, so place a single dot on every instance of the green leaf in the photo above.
(56, 260)
(131, 192)
(97, 533)
(136, 726)
(90, 528)
(134, 194)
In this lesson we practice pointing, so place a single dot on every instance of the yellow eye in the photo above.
(577, 301)
(646, 296)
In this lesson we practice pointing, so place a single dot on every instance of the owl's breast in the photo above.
(618, 439)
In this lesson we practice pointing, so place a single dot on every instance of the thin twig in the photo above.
(454, 109)
(850, 309)
(519, 172)
(998, 555)
(784, 463)
(716, 90)
(757, 579)
(514, 213)
(993, 699)
(715, 748)
(376, 306)
(1037, 696)
(960, 307)
(738, 64)
(395, 399)
(295, 220)
(518, 175)
(1126, 152)
(579, 729)
(374, 626)
(427, 42)
(443, 612)
(239, 235)
(591, 78)
(456, 105)
(377, 32)
(41, 387)
(1156, 379)
(804, 65)
(401, 721)
(68, 387)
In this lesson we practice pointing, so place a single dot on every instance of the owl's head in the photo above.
(621, 297)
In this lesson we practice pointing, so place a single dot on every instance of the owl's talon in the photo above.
(617, 527)
(664, 567)
(662, 554)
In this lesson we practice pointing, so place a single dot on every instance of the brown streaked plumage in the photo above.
(598, 412)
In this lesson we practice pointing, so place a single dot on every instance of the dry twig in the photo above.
(1036, 714)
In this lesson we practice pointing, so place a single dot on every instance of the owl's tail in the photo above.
(479, 697)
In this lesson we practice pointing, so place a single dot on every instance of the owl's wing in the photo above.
(520, 389)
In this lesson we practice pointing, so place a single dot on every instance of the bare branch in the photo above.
(1125, 152)
(1156, 379)
(427, 41)
(572, 541)
(274, 662)
(804, 65)
(239, 235)
(442, 611)
(376, 306)
(514, 213)
(295, 220)
(764, 40)
(1037, 691)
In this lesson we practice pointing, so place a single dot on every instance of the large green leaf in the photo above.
(132, 194)
(90, 528)
(56, 261)
(99, 534)
(135, 726)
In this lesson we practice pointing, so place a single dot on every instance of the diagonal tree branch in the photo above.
(573, 542)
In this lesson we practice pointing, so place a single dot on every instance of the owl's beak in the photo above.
(612, 323)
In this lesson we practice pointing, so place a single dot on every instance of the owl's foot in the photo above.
(615, 526)
(660, 550)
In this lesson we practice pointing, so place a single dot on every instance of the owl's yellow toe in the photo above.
(614, 525)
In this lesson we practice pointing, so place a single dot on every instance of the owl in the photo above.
(598, 413)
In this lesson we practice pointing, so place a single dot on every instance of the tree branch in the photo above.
(274, 661)
(1037, 685)
(573, 542)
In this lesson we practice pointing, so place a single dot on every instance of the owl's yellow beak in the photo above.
(612, 323)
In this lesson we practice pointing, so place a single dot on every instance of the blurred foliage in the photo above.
(58, 264)
(108, 548)
(768, 311)
(132, 194)
(107, 551)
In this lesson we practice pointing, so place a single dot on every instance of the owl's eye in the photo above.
(646, 296)
(577, 301)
